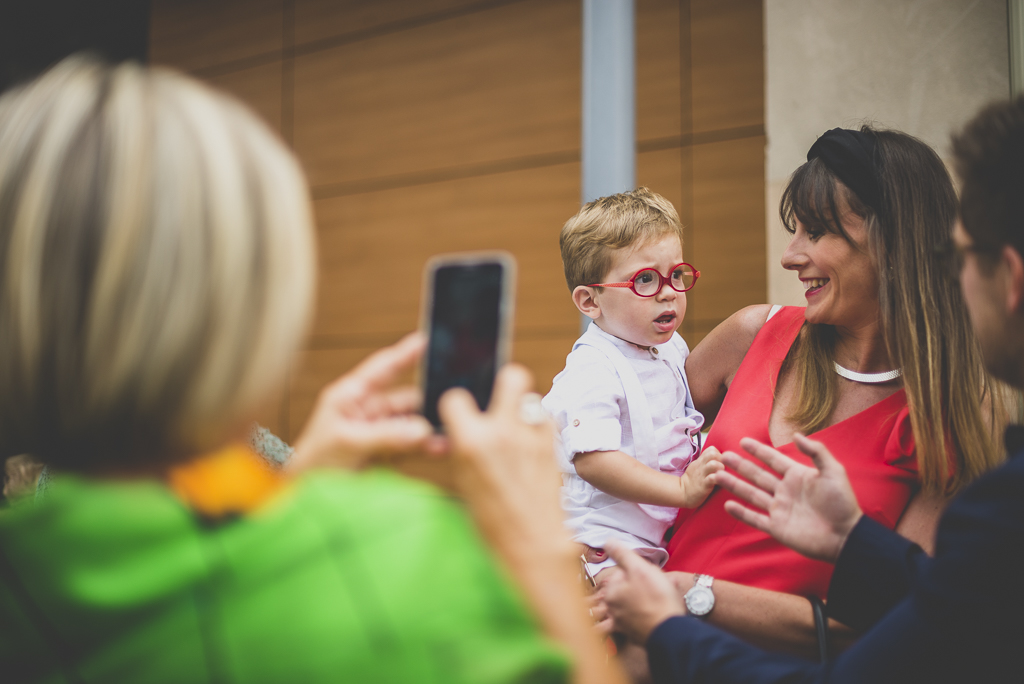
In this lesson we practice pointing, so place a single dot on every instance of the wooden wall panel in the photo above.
(206, 34)
(661, 171)
(729, 242)
(479, 88)
(727, 54)
(545, 357)
(323, 20)
(259, 87)
(313, 371)
(448, 125)
(658, 95)
(369, 240)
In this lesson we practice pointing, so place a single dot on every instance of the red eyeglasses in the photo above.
(648, 282)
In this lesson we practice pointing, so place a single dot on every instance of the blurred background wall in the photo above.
(437, 125)
(427, 126)
(920, 66)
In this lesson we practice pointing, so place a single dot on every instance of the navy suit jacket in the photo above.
(957, 617)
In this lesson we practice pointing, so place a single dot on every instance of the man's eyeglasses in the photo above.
(953, 254)
(648, 282)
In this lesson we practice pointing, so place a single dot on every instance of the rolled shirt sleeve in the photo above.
(588, 404)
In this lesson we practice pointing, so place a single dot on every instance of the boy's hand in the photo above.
(696, 483)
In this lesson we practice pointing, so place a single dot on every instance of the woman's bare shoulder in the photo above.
(715, 360)
(735, 334)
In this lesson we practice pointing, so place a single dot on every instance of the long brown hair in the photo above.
(955, 411)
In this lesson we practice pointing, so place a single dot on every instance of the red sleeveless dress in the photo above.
(876, 446)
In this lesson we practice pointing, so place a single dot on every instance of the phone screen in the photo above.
(465, 329)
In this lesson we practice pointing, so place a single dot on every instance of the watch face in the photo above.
(699, 601)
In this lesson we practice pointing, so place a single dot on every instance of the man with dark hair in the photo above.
(956, 617)
(990, 163)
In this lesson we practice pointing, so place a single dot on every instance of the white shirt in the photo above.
(589, 404)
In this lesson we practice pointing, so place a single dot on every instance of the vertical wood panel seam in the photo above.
(686, 130)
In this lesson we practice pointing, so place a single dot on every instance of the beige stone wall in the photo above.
(921, 66)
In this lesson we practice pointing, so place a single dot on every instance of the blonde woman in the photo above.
(881, 366)
(156, 273)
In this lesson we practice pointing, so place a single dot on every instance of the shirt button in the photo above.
(576, 423)
(654, 350)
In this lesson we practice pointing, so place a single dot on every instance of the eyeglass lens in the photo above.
(649, 282)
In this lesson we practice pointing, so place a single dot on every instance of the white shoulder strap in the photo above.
(675, 356)
(639, 413)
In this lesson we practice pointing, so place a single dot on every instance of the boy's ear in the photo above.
(585, 299)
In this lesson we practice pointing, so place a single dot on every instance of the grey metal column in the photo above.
(609, 101)
(1015, 15)
(609, 97)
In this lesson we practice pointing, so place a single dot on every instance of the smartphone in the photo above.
(468, 309)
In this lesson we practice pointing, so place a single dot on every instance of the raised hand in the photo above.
(505, 469)
(811, 510)
(363, 415)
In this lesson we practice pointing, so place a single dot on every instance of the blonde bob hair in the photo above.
(156, 266)
(624, 220)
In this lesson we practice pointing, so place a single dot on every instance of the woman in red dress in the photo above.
(881, 366)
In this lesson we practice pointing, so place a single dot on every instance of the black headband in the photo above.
(850, 156)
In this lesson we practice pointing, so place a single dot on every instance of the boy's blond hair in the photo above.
(609, 223)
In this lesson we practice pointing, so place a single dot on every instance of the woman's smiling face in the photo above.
(839, 278)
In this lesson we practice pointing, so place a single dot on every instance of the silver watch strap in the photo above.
(703, 581)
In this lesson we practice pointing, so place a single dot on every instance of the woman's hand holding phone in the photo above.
(366, 415)
(505, 472)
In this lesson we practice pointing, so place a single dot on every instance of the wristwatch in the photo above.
(700, 599)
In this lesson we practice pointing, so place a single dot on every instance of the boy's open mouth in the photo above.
(665, 322)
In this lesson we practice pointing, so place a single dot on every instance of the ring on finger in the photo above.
(531, 411)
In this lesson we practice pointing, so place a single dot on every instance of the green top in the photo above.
(366, 577)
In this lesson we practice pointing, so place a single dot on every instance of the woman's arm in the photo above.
(505, 471)
(713, 363)
(784, 622)
(640, 598)
(772, 620)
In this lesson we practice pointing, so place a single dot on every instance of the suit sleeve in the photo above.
(875, 571)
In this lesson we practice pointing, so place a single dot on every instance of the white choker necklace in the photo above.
(870, 378)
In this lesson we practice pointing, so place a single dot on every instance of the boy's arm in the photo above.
(626, 478)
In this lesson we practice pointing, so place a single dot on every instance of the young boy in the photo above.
(628, 427)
